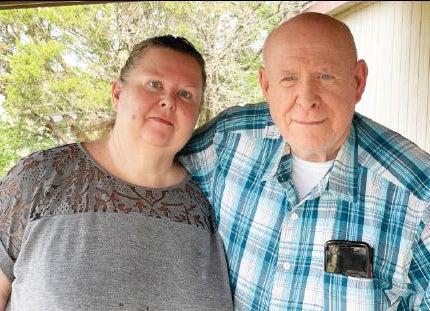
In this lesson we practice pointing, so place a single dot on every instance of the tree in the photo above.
(57, 64)
(14, 144)
(9, 137)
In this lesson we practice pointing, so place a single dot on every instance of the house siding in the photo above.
(393, 37)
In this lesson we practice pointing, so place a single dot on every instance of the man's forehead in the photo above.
(308, 22)
(307, 29)
(300, 65)
(319, 47)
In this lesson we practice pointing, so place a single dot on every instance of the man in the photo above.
(319, 207)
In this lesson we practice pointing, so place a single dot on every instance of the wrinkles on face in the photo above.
(310, 83)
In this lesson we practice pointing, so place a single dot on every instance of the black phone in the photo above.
(349, 258)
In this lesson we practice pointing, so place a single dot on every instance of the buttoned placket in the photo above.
(287, 252)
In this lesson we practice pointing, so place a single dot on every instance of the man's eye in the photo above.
(289, 78)
(325, 76)
(185, 94)
(155, 84)
(288, 81)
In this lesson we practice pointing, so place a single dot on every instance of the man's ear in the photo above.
(264, 83)
(360, 74)
(115, 94)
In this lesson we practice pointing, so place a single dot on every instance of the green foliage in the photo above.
(9, 146)
(16, 142)
(57, 64)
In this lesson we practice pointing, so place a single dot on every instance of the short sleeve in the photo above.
(419, 272)
(15, 203)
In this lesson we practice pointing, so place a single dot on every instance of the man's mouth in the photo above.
(309, 123)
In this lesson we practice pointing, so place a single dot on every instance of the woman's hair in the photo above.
(179, 44)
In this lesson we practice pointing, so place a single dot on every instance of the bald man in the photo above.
(319, 207)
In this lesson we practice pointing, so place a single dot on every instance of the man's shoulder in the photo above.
(251, 125)
(389, 154)
(246, 109)
(237, 118)
(381, 141)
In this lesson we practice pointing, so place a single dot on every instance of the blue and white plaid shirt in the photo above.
(378, 191)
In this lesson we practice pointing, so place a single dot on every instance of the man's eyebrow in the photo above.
(288, 71)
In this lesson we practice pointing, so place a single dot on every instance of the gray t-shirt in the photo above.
(74, 237)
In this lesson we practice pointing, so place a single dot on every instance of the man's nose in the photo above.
(307, 94)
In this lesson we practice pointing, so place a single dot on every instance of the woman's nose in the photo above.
(168, 101)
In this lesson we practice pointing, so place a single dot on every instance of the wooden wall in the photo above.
(394, 39)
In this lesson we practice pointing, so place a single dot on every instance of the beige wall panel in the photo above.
(403, 80)
(394, 39)
(412, 130)
(424, 76)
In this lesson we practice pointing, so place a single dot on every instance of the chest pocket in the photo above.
(352, 293)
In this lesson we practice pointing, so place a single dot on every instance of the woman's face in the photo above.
(159, 103)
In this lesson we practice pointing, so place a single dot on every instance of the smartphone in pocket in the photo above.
(350, 258)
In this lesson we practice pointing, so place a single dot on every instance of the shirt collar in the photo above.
(275, 156)
(344, 174)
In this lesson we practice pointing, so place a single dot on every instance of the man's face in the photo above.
(312, 87)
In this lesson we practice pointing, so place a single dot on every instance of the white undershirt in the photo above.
(306, 175)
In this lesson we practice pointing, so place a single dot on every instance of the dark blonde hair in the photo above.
(178, 44)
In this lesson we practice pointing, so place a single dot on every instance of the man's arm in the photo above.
(5, 289)
(419, 271)
(198, 155)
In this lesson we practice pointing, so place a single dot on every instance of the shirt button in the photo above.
(294, 216)
(287, 266)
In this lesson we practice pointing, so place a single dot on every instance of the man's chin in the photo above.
(309, 152)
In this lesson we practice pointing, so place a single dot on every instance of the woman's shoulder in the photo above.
(40, 162)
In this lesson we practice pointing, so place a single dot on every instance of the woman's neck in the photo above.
(140, 165)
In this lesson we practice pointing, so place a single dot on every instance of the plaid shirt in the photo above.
(378, 191)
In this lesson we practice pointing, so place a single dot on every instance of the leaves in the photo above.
(57, 64)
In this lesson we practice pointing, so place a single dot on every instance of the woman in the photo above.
(118, 224)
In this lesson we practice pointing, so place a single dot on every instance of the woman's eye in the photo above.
(154, 84)
(289, 78)
(185, 94)
(325, 76)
